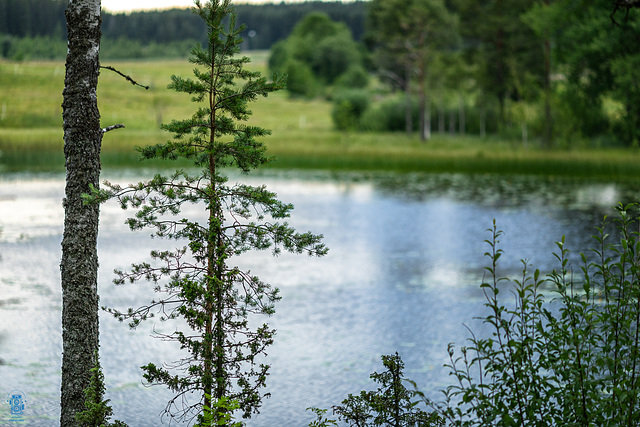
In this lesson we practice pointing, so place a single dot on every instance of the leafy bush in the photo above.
(30, 48)
(570, 360)
(300, 79)
(123, 48)
(334, 55)
(320, 45)
(388, 115)
(355, 77)
(27, 48)
(348, 107)
(278, 57)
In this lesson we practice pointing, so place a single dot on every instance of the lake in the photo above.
(402, 274)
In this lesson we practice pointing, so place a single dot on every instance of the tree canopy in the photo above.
(318, 51)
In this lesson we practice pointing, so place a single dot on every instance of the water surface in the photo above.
(405, 262)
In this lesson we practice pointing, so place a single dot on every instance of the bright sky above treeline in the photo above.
(130, 5)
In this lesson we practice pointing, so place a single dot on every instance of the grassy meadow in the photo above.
(303, 134)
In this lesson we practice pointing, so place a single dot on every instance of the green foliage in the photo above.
(405, 36)
(334, 55)
(27, 48)
(348, 107)
(270, 21)
(321, 418)
(356, 77)
(388, 115)
(33, 18)
(220, 413)
(510, 50)
(600, 62)
(98, 411)
(572, 360)
(215, 300)
(122, 48)
(320, 45)
(38, 48)
(390, 405)
(301, 82)
(278, 56)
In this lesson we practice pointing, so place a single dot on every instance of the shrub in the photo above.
(389, 115)
(355, 77)
(348, 107)
(278, 58)
(28, 48)
(300, 79)
(317, 46)
(334, 55)
(570, 360)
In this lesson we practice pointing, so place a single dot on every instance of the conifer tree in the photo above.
(199, 283)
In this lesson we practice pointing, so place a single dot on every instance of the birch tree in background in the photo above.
(79, 266)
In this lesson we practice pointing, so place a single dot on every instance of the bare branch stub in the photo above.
(623, 4)
(133, 82)
(112, 127)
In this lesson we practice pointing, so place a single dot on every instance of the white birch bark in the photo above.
(79, 265)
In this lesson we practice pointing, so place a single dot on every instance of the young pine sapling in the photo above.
(198, 283)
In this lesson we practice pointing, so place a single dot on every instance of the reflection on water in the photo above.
(402, 275)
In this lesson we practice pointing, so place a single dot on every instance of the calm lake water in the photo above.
(403, 274)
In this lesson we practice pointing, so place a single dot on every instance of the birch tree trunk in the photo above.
(79, 266)
(408, 114)
(424, 101)
(548, 117)
(462, 119)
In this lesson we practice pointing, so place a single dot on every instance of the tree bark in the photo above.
(483, 115)
(425, 111)
(408, 114)
(452, 122)
(441, 122)
(79, 265)
(462, 118)
(548, 128)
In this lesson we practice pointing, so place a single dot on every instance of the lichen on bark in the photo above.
(79, 265)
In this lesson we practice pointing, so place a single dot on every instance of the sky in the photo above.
(129, 5)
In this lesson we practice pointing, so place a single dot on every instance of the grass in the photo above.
(303, 134)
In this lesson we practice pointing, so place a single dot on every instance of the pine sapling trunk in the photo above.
(211, 267)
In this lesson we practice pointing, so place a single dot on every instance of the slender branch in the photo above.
(623, 4)
(133, 82)
(112, 127)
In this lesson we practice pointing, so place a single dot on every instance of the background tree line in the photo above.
(36, 28)
(532, 70)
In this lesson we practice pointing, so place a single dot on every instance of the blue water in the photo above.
(405, 262)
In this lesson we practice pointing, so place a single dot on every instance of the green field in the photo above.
(303, 134)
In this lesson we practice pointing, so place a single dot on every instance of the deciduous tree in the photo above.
(79, 265)
(319, 45)
(405, 34)
(602, 63)
(507, 50)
